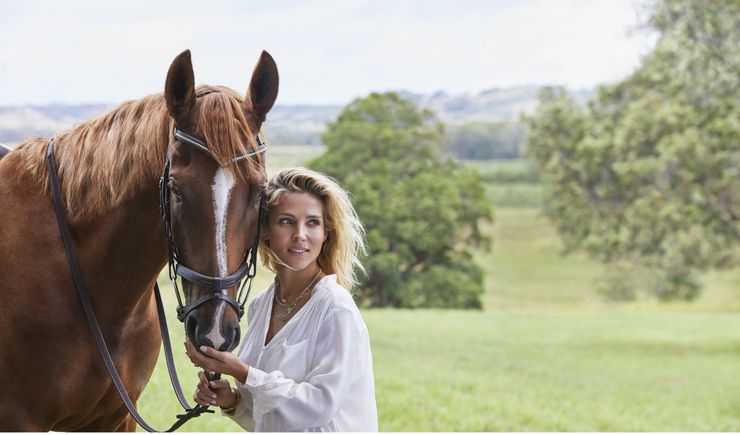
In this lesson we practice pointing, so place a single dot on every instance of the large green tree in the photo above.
(422, 211)
(649, 173)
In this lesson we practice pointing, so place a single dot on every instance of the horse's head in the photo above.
(212, 193)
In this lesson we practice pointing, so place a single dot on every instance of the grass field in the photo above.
(546, 353)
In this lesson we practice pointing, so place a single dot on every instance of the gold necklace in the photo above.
(290, 307)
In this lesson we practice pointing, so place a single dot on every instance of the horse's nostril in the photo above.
(196, 335)
(231, 334)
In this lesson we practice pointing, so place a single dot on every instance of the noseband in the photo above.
(175, 267)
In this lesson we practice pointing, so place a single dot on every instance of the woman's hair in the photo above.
(344, 232)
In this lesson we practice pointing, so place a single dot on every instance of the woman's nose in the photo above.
(299, 234)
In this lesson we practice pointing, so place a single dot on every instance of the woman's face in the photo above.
(296, 229)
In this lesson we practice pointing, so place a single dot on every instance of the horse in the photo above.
(109, 175)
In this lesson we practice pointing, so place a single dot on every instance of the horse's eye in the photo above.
(173, 188)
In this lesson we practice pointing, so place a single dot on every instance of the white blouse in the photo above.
(316, 374)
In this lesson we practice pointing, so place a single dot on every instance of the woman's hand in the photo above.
(211, 360)
(217, 393)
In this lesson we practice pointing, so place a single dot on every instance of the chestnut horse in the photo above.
(109, 171)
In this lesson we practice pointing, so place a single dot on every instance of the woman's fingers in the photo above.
(219, 385)
(202, 361)
(203, 398)
(213, 353)
(204, 387)
(210, 392)
(207, 358)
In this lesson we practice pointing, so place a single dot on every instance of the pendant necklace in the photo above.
(283, 302)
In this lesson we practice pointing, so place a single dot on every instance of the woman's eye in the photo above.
(314, 222)
(284, 221)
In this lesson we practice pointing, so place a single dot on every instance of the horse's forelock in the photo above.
(224, 128)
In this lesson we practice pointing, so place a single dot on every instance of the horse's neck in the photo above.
(121, 253)
(106, 161)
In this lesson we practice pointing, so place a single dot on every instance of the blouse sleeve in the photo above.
(315, 402)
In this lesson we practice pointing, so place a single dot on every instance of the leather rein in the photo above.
(175, 268)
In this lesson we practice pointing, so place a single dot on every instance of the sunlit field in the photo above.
(546, 353)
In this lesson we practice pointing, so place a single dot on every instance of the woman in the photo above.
(305, 363)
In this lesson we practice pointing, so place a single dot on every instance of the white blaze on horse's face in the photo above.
(223, 184)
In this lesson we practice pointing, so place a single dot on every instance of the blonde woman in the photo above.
(305, 363)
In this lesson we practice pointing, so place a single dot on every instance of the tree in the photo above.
(649, 174)
(422, 212)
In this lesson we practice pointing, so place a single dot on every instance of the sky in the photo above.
(327, 51)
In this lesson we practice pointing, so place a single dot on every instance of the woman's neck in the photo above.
(293, 282)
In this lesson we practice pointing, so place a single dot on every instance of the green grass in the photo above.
(500, 371)
(509, 183)
(504, 171)
(526, 271)
(547, 353)
(515, 195)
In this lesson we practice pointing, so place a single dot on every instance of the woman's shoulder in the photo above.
(335, 298)
(339, 307)
(334, 294)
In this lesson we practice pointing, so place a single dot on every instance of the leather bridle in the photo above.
(175, 266)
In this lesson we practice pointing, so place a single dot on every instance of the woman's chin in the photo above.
(299, 263)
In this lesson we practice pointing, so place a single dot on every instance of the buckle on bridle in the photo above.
(180, 313)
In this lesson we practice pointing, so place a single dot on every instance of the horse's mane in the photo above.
(104, 161)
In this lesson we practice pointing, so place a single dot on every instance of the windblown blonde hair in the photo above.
(109, 159)
(340, 253)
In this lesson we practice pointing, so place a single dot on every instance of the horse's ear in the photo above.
(263, 89)
(179, 89)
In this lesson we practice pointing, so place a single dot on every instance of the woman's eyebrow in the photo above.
(311, 216)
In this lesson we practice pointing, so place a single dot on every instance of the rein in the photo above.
(247, 269)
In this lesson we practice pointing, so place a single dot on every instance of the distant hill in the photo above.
(18, 123)
(496, 104)
(291, 125)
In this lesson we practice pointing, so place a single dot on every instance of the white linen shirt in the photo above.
(316, 374)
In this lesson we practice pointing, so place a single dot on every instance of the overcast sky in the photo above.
(327, 51)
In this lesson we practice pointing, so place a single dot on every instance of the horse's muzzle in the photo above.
(218, 331)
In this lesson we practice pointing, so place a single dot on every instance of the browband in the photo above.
(194, 141)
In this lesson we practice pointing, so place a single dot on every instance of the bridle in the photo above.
(247, 269)
(175, 266)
